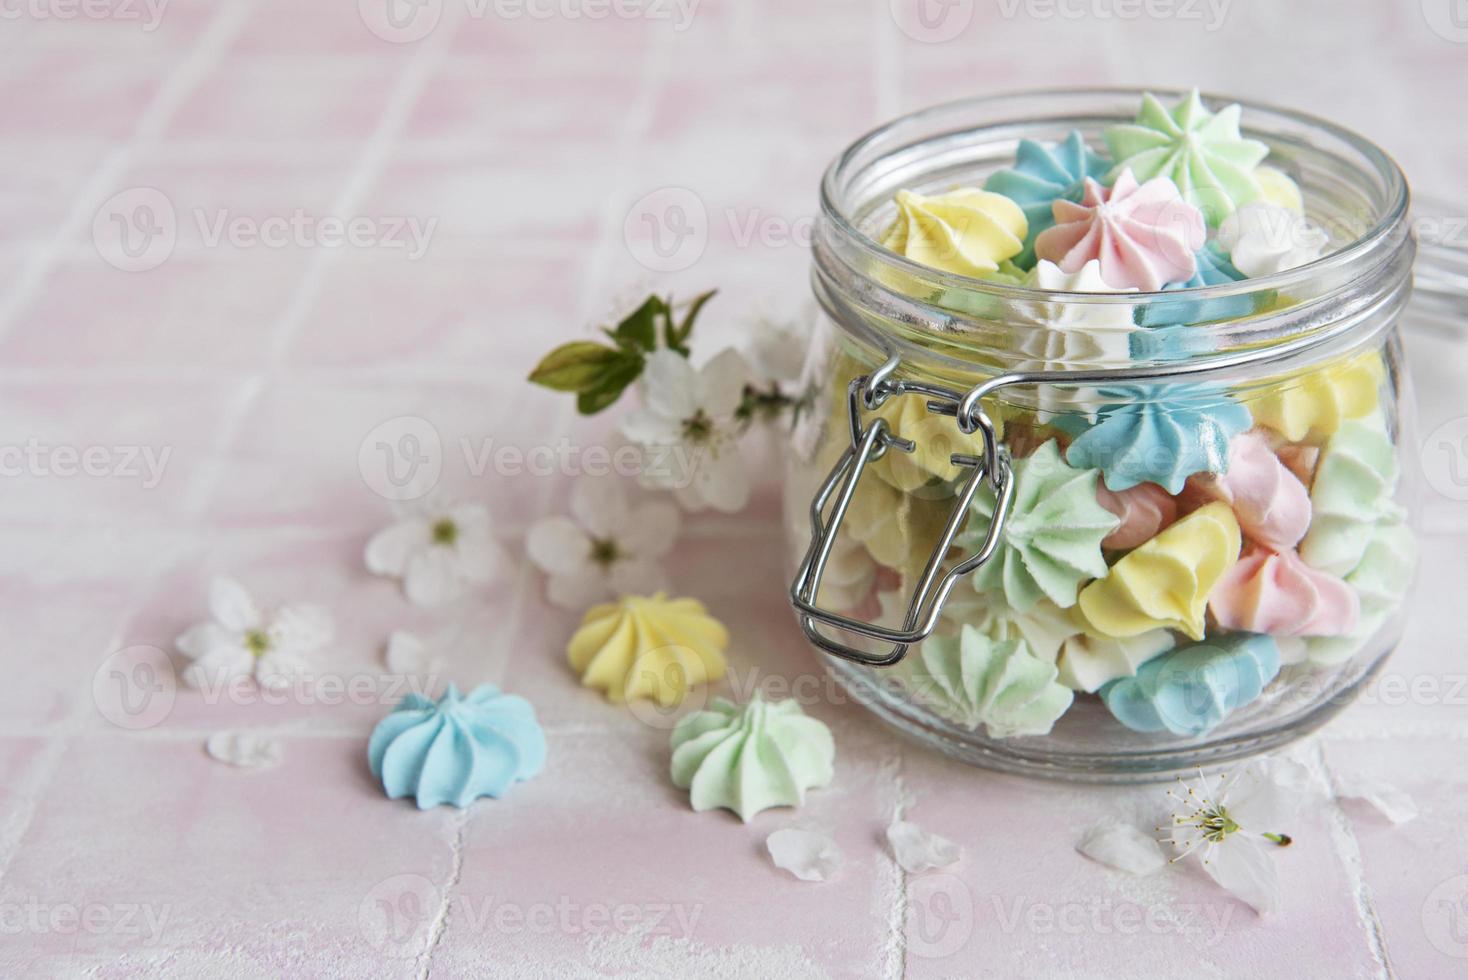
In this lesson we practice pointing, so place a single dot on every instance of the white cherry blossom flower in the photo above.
(689, 427)
(606, 549)
(242, 640)
(438, 552)
(1235, 821)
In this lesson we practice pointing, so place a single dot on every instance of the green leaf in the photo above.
(678, 336)
(577, 366)
(639, 331)
(612, 383)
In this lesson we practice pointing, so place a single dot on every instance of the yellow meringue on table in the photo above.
(648, 647)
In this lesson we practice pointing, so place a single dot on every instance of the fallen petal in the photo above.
(917, 850)
(1244, 867)
(807, 855)
(1123, 847)
(1385, 798)
(243, 749)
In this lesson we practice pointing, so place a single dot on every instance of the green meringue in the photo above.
(751, 758)
(1351, 494)
(973, 680)
(1380, 579)
(1051, 542)
(1200, 151)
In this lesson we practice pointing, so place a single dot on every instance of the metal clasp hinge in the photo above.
(870, 442)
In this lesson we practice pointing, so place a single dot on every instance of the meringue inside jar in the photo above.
(1211, 529)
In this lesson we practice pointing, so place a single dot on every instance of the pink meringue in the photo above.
(1144, 509)
(1272, 505)
(1144, 235)
(1277, 593)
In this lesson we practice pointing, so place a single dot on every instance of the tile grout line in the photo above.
(178, 85)
(456, 871)
(1348, 850)
(165, 102)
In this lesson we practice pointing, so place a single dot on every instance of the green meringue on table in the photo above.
(1201, 152)
(1051, 542)
(1353, 492)
(750, 758)
(972, 680)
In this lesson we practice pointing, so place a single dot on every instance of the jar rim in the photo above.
(1387, 223)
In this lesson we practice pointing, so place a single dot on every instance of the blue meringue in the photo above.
(1192, 689)
(458, 749)
(1159, 434)
(1042, 174)
(1214, 269)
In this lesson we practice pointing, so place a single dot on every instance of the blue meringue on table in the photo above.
(1041, 175)
(1192, 689)
(457, 749)
(1159, 434)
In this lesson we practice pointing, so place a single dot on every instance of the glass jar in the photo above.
(1103, 536)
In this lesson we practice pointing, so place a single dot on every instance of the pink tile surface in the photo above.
(535, 139)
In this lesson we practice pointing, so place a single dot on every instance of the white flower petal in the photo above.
(807, 855)
(1266, 794)
(917, 850)
(198, 640)
(1123, 847)
(1386, 799)
(650, 529)
(279, 669)
(301, 628)
(231, 606)
(578, 590)
(720, 480)
(649, 428)
(638, 576)
(669, 385)
(600, 506)
(721, 383)
(1244, 867)
(558, 546)
(390, 549)
(471, 520)
(478, 558)
(432, 578)
(246, 750)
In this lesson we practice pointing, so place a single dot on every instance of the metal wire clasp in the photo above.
(870, 442)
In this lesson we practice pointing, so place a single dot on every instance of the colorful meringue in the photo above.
(1144, 510)
(973, 680)
(965, 231)
(1051, 541)
(1353, 492)
(1042, 175)
(1202, 153)
(1380, 580)
(747, 759)
(1272, 505)
(1165, 583)
(458, 748)
(1263, 239)
(1311, 405)
(648, 647)
(1044, 627)
(1071, 335)
(1087, 662)
(1144, 235)
(1277, 593)
(936, 439)
(1214, 269)
(1192, 689)
(1159, 434)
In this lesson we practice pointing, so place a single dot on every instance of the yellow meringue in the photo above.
(648, 647)
(1311, 405)
(1165, 582)
(965, 231)
(1279, 189)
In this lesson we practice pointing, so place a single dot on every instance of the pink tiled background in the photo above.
(525, 133)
